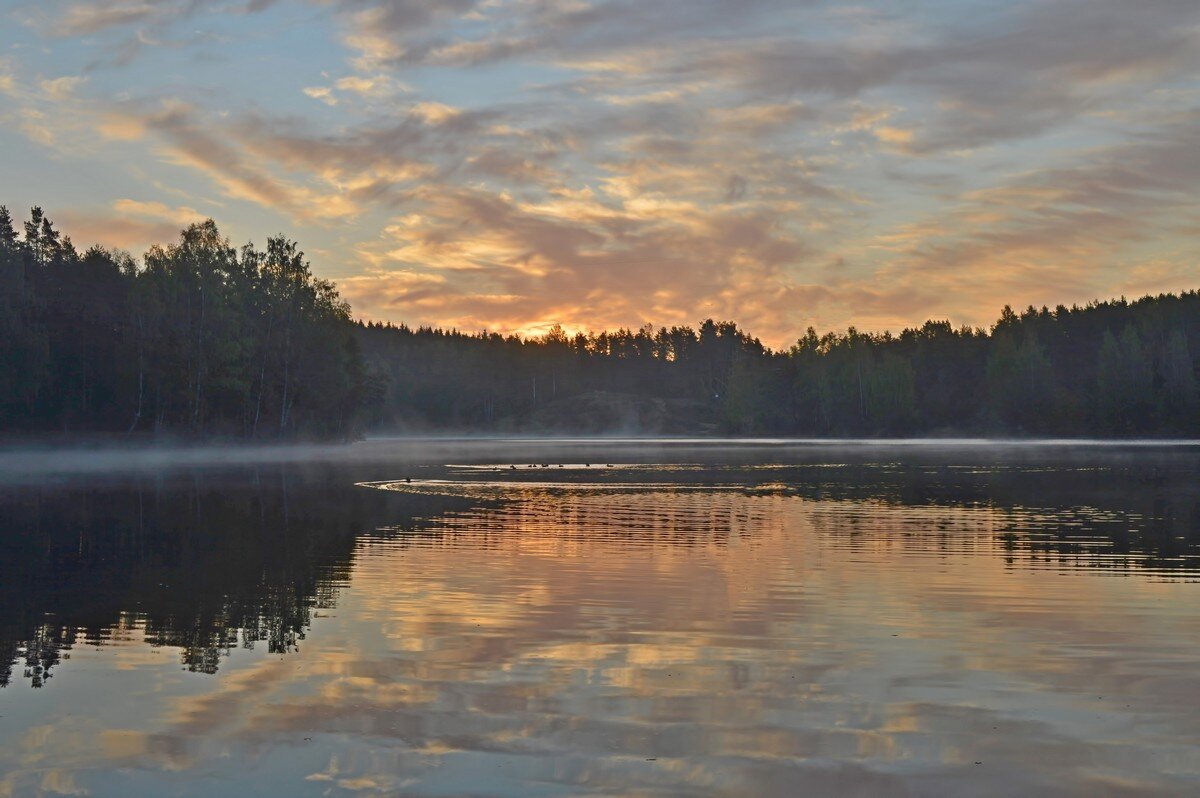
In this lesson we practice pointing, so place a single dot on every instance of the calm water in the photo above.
(652, 619)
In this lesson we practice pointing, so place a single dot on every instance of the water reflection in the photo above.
(203, 563)
(724, 628)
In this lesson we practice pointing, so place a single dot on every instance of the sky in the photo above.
(509, 165)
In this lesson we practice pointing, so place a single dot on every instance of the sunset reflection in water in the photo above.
(570, 639)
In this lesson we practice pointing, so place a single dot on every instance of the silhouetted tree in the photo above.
(191, 343)
(202, 339)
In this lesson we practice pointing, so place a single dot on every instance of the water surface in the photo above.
(605, 618)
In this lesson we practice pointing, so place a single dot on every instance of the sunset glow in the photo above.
(486, 164)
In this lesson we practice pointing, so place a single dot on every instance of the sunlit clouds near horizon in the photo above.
(511, 165)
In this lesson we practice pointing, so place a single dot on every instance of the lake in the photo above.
(634, 618)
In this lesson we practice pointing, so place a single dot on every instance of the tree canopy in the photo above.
(200, 340)
(203, 339)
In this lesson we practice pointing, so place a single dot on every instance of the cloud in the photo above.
(192, 143)
(61, 89)
(71, 18)
(82, 19)
(435, 113)
(372, 86)
(128, 224)
(607, 162)
(1063, 234)
(895, 136)
(322, 93)
(1023, 72)
(114, 230)
(121, 30)
(581, 260)
(156, 210)
(46, 110)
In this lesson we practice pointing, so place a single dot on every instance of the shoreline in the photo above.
(31, 463)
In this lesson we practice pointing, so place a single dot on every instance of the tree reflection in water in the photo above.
(200, 562)
(210, 561)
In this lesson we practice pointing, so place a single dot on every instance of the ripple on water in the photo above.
(756, 629)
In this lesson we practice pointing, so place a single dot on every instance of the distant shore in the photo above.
(31, 462)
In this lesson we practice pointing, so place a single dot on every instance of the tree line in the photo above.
(1115, 368)
(202, 339)
(199, 340)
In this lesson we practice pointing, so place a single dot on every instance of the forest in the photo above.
(199, 340)
(204, 340)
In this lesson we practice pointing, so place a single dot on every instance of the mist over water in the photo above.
(30, 464)
(608, 617)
